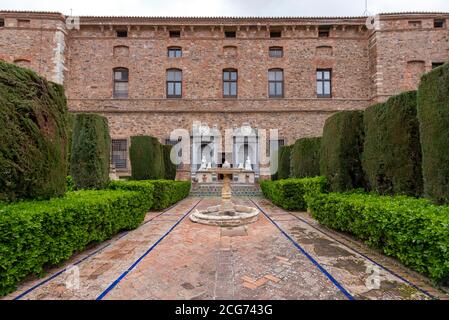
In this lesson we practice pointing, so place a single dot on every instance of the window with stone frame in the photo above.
(230, 34)
(2, 22)
(324, 31)
(230, 79)
(121, 33)
(324, 83)
(120, 154)
(174, 34)
(276, 83)
(121, 78)
(276, 52)
(439, 23)
(174, 83)
(174, 52)
(275, 34)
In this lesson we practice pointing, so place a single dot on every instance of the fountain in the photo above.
(227, 214)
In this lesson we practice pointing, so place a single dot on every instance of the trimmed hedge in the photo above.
(290, 194)
(162, 193)
(392, 150)
(90, 158)
(412, 230)
(169, 166)
(33, 135)
(147, 159)
(433, 115)
(35, 234)
(305, 158)
(284, 163)
(341, 151)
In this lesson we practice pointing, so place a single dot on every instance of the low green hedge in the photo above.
(35, 234)
(412, 230)
(290, 193)
(163, 193)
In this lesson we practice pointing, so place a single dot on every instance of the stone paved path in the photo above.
(194, 261)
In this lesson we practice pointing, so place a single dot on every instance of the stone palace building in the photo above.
(151, 75)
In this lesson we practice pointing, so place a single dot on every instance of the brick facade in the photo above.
(368, 65)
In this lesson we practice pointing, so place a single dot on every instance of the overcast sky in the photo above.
(225, 7)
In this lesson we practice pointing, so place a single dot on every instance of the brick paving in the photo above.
(204, 262)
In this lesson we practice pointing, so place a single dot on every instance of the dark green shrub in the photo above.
(392, 151)
(341, 151)
(284, 162)
(305, 158)
(147, 159)
(70, 126)
(89, 164)
(162, 193)
(168, 192)
(169, 166)
(290, 194)
(33, 135)
(412, 230)
(35, 234)
(433, 115)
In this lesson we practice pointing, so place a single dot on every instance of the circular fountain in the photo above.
(227, 214)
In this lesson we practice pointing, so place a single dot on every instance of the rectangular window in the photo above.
(275, 34)
(276, 83)
(437, 64)
(121, 83)
(230, 34)
(122, 33)
(175, 34)
(230, 83)
(324, 83)
(438, 23)
(120, 153)
(174, 83)
(276, 52)
(324, 31)
(174, 52)
(2, 22)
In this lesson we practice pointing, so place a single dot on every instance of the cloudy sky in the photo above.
(225, 7)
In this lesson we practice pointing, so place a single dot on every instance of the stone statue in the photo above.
(203, 163)
(248, 165)
(226, 164)
(240, 166)
(209, 165)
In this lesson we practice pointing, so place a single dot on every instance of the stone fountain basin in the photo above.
(215, 216)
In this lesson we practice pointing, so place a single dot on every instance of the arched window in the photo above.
(174, 83)
(276, 83)
(121, 83)
(174, 52)
(230, 83)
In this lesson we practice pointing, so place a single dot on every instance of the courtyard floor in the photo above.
(281, 256)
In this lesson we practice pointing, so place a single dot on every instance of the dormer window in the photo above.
(230, 34)
(275, 34)
(324, 31)
(175, 34)
(122, 33)
(438, 23)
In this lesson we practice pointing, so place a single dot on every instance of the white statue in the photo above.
(240, 166)
(226, 165)
(248, 165)
(203, 163)
(209, 165)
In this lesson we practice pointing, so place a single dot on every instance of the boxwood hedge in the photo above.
(412, 230)
(169, 166)
(284, 163)
(34, 234)
(305, 158)
(161, 193)
(433, 115)
(290, 193)
(392, 150)
(33, 135)
(341, 151)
